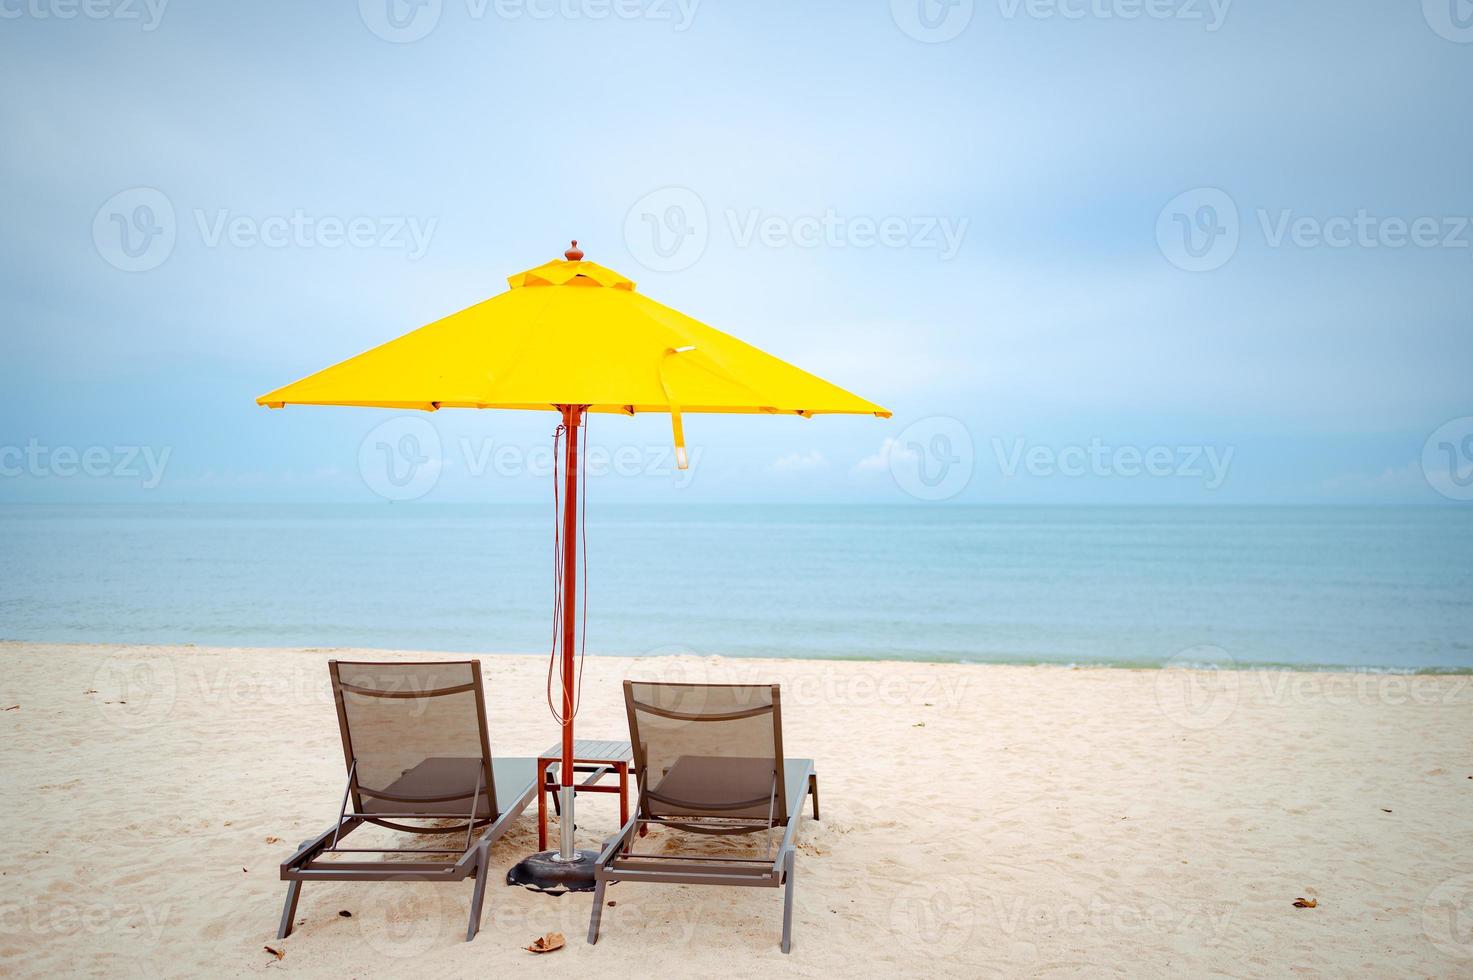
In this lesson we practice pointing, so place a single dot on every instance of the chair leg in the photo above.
(289, 911)
(598, 911)
(813, 792)
(483, 871)
(788, 902)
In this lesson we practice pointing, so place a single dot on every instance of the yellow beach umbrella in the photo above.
(574, 337)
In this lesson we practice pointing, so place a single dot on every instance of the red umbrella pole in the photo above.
(567, 868)
(572, 416)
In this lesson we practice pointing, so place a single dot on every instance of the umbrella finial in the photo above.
(574, 254)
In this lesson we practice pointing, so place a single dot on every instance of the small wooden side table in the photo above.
(597, 758)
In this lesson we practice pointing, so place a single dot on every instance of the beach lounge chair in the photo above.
(416, 749)
(710, 761)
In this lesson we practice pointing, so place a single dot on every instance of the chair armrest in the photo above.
(611, 845)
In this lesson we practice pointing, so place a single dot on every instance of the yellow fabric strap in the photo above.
(679, 429)
(676, 425)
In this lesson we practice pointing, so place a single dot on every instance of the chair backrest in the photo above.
(708, 750)
(423, 718)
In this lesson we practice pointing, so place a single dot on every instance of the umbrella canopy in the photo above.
(576, 337)
(572, 333)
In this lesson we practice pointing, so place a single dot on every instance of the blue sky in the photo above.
(1087, 250)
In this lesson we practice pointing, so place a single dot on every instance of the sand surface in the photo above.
(977, 821)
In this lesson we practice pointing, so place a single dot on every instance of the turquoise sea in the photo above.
(1380, 588)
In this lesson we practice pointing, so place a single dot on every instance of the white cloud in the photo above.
(1390, 480)
(800, 463)
(880, 462)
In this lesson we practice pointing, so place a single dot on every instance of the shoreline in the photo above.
(1232, 664)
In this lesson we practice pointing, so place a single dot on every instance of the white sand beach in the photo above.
(977, 821)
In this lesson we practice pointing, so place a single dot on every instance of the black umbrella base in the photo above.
(543, 872)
